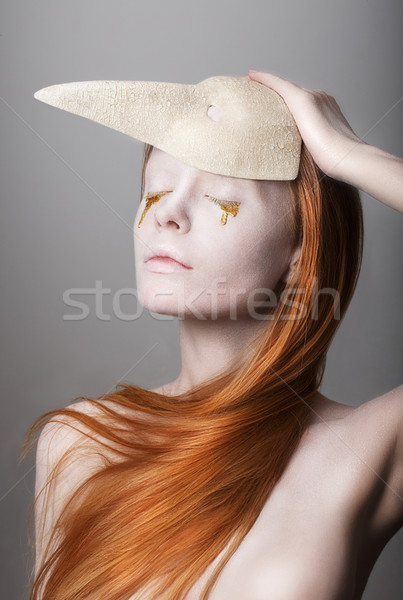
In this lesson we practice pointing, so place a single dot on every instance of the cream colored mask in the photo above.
(225, 125)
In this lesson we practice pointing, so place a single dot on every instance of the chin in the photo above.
(159, 305)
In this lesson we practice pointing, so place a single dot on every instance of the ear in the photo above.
(292, 262)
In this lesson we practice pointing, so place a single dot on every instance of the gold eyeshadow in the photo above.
(227, 206)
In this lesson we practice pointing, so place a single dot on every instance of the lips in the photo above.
(166, 253)
(167, 260)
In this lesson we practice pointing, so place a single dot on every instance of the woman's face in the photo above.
(227, 265)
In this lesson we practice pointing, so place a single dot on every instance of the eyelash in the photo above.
(152, 195)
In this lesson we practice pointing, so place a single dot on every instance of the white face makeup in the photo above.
(230, 233)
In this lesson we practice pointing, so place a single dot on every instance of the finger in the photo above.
(279, 84)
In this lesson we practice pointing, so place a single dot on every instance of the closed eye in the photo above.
(229, 207)
(153, 195)
(222, 202)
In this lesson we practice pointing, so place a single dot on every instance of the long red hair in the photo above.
(192, 472)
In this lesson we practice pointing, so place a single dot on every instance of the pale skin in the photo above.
(341, 497)
(185, 220)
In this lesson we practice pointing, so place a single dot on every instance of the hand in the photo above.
(323, 128)
(334, 146)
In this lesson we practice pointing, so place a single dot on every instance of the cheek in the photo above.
(273, 240)
(259, 255)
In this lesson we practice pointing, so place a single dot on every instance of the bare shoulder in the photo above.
(67, 454)
(363, 454)
(388, 407)
(66, 450)
(64, 432)
(71, 436)
(378, 425)
(379, 420)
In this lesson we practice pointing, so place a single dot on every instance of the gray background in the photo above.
(70, 190)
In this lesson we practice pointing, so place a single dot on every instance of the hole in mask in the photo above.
(215, 113)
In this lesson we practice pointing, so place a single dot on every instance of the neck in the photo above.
(209, 347)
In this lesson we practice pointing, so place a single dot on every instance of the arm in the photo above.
(383, 418)
(395, 397)
(56, 439)
(366, 481)
(341, 154)
(375, 172)
(334, 146)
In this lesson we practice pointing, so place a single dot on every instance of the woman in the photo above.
(239, 479)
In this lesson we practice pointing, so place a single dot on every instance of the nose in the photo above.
(170, 212)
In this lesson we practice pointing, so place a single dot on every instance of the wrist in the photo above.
(375, 172)
(353, 162)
